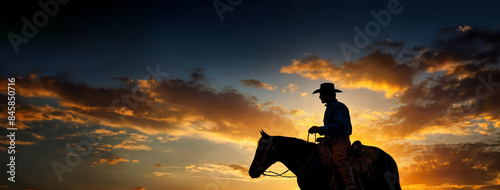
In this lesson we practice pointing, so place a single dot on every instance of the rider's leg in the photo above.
(339, 149)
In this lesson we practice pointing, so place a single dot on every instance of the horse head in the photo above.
(265, 155)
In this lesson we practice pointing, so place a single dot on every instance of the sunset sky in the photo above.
(174, 93)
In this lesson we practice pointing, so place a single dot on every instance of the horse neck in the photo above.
(293, 152)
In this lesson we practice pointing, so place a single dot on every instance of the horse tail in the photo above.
(391, 173)
(385, 172)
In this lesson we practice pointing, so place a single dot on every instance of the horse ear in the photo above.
(264, 134)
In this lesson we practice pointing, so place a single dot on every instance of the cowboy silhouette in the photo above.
(337, 128)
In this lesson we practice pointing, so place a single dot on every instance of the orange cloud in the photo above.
(32, 113)
(463, 28)
(257, 84)
(174, 107)
(167, 139)
(164, 174)
(112, 159)
(292, 87)
(39, 137)
(192, 169)
(106, 132)
(377, 72)
(103, 148)
(234, 170)
(18, 142)
(132, 146)
(134, 142)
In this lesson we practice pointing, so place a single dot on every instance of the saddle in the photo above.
(359, 156)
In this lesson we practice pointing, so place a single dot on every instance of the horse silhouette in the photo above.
(304, 160)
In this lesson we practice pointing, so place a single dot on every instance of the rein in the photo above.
(308, 136)
(276, 174)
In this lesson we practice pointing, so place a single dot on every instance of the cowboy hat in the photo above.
(327, 87)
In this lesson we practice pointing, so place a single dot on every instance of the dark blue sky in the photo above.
(96, 41)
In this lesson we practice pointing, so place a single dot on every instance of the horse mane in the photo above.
(291, 142)
(291, 139)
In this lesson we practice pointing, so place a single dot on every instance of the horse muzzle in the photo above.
(255, 173)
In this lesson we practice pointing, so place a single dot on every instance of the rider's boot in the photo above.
(347, 176)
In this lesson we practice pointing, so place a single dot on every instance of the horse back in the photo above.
(373, 167)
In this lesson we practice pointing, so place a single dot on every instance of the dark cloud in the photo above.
(468, 88)
(431, 61)
(418, 48)
(75, 94)
(481, 46)
(124, 80)
(458, 164)
(447, 99)
(197, 75)
(175, 106)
